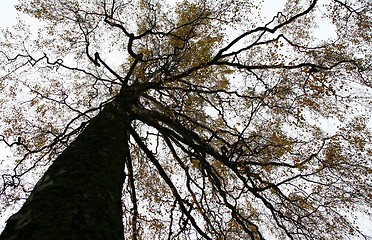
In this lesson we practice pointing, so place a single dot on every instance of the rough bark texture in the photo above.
(79, 197)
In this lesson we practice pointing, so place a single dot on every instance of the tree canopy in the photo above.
(227, 117)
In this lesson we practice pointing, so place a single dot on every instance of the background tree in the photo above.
(208, 113)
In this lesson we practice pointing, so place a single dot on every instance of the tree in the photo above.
(187, 120)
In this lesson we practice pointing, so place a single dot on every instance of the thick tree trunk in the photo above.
(79, 197)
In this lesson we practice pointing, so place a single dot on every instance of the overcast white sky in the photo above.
(7, 13)
(8, 16)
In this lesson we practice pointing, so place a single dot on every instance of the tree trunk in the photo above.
(79, 196)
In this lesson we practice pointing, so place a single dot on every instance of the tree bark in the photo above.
(79, 196)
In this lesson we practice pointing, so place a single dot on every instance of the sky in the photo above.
(8, 16)
(7, 13)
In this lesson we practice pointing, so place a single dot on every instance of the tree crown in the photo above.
(226, 128)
